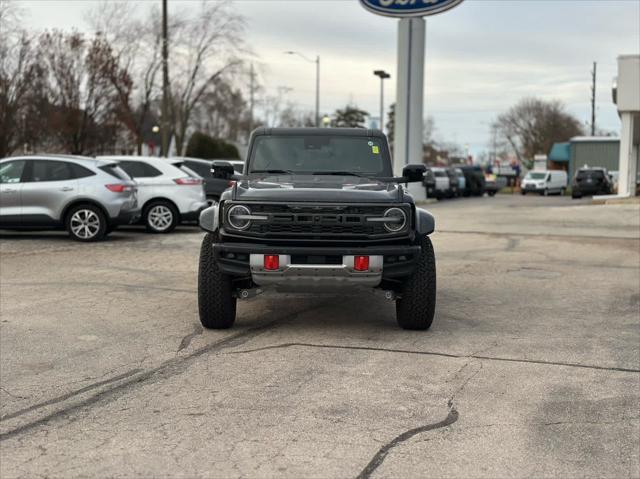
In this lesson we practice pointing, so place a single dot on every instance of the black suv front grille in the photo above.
(293, 221)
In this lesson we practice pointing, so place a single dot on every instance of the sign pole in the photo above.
(409, 98)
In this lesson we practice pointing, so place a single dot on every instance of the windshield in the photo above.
(320, 155)
(536, 176)
(439, 173)
(593, 174)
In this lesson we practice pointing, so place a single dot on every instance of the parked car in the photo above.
(474, 180)
(317, 211)
(591, 181)
(442, 184)
(85, 196)
(429, 183)
(454, 187)
(462, 182)
(544, 182)
(493, 183)
(167, 194)
(213, 186)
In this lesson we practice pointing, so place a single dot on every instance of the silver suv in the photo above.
(167, 194)
(85, 196)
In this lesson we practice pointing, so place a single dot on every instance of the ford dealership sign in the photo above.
(409, 8)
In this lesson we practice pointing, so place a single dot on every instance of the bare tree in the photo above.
(204, 48)
(81, 97)
(428, 131)
(135, 48)
(19, 77)
(532, 126)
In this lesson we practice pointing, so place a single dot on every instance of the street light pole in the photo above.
(317, 62)
(317, 91)
(383, 75)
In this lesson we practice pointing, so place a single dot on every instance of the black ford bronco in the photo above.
(317, 210)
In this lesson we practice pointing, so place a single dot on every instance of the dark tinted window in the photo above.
(593, 174)
(139, 169)
(114, 170)
(79, 171)
(203, 169)
(314, 154)
(187, 170)
(11, 171)
(439, 174)
(53, 170)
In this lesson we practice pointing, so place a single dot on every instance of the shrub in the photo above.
(204, 146)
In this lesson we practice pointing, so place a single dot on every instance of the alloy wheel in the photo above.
(160, 217)
(85, 224)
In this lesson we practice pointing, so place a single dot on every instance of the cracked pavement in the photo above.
(531, 369)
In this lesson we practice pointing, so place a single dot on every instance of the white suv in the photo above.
(168, 195)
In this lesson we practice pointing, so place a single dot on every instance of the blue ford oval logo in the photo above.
(409, 8)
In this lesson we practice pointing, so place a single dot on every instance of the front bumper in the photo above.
(532, 188)
(244, 260)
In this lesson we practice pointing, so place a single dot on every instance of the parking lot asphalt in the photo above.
(531, 368)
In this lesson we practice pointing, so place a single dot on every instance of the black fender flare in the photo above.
(425, 222)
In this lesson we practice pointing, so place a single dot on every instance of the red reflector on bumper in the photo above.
(271, 262)
(361, 263)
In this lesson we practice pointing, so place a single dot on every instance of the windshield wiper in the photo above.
(274, 172)
(337, 173)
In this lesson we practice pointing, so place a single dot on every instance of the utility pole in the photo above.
(252, 88)
(318, 91)
(165, 82)
(593, 100)
(317, 62)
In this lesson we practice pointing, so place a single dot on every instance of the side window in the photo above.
(79, 171)
(11, 171)
(201, 168)
(139, 169)
(49, 170)
(114, 170)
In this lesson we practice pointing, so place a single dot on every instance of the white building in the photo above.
(626, 95)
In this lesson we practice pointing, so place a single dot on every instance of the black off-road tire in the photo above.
(417, 303)
(216, 303)
(491, 193)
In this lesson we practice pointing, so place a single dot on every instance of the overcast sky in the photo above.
(481, 57)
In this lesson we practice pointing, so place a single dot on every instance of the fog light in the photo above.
(361, 263)
(271, 262)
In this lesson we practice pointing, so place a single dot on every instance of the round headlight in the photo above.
(236, 217)
(399, 220)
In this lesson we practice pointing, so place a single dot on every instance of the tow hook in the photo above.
(248, 293)
(390, 295)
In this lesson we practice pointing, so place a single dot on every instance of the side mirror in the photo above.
(222, 169)
(414, 173)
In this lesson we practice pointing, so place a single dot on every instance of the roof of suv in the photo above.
(78, 158)
(163, 164)
(317, 132)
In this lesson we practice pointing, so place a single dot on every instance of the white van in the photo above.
(544, 182)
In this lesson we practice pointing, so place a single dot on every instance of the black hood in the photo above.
(319, 188)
